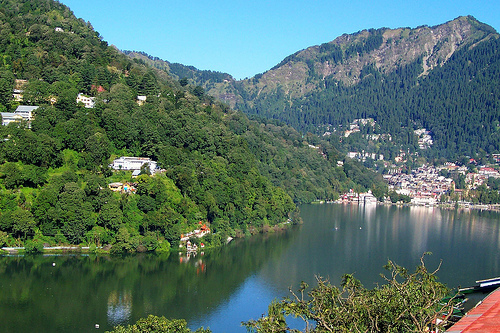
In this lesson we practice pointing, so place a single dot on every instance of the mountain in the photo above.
(442, 78)
(345, 58)
(205, 78)
(238, 175)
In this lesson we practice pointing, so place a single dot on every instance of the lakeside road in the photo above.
(15, 250)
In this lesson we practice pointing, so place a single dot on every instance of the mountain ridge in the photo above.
(333, 59)
(403, 78)
(384, 74)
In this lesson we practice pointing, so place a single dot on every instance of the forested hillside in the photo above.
(194, 76)
(237, 175)
(443, 78)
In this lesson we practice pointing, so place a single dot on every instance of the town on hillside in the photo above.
(447, 184)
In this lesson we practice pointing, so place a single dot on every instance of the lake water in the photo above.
(236, 283)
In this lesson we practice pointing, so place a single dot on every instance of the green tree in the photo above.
(408, 302)
(146, 203)
(154, 324)
(22, 222)
(123, 242)
(97, 151)
(145, 169)
(110, 217)
(36, 92)
(73, 214)
(98, 236)
(11, 175)
(6, 87)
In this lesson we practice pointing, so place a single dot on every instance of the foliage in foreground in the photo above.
(158, 325)
(408, 302)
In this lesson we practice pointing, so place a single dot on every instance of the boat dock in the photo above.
(484, 318)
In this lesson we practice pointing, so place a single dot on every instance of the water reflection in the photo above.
(119, 307)
(80, 292)
(359, 239)
(223, 287)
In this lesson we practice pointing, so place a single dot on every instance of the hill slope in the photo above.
(218, 166)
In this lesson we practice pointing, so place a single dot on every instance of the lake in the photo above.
(221, 288)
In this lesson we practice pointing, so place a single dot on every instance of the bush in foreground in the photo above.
(408, 302)
(154, 324)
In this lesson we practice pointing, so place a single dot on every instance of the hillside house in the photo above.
(133, 163)
(87, 101)
(19, 90)
(18, 95)
(489, 172)
(97, 89)
(202, 231)
(122, 187)
(23, 112)
(10, 117)
(26, 111)
(141, 99)
(115, 187)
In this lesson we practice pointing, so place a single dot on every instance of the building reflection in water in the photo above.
(200, 265)
(119, 307)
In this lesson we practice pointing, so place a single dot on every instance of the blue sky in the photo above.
(244, 38)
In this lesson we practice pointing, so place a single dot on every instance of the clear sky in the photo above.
(247, 37)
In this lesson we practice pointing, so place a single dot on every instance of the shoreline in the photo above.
(51, 250)
(75, 249)
(448, 205)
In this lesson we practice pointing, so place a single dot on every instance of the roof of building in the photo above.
(484, 318)
(25, 108)
(9, 114)
(122, 158)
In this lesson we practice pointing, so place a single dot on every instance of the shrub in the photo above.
(3, 238)
(163, 247)
(33, 246)
(159, 325)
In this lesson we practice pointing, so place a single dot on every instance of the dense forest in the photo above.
(197, 77)
(457, 102)
(239, 176)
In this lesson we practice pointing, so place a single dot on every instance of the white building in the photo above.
(89, 102)
(10, 117)
(141, 99)
(424, 201)
(26, 111)
(18, 95)
(23, 112)
(133, 163)
(19, 89)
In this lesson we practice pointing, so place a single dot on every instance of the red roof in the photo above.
(99, 89)
(484, 318)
